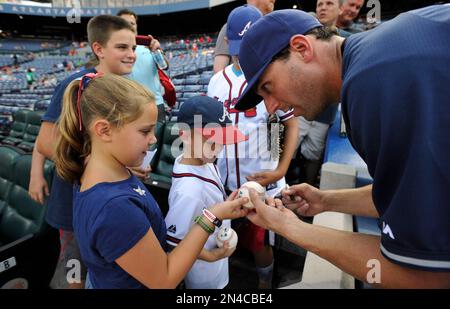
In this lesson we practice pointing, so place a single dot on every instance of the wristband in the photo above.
(211, 217)
(203, 225)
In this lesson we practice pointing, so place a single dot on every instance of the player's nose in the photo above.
(271, 104)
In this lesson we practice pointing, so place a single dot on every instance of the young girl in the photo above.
(107, 123)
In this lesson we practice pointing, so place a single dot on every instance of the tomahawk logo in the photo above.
(387, 230)
(247, 26)
(225, 114)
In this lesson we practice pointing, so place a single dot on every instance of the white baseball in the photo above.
(226, 234)
(243, 192)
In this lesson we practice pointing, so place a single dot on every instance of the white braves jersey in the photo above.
(193, 189)
(252, 156)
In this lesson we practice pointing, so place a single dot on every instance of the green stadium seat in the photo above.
(32, 131)
(26, 240)
(22, 215)
(159, 130)
(161, 175)
(18, 128)
(8, 158)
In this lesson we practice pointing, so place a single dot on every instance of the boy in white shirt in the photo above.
(196, 185)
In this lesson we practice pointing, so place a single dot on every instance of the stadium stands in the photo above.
(23, 230)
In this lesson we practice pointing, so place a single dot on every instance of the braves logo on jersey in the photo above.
(229, 107)
(225, 114)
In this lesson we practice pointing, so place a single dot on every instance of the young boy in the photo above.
(112, 40)
(196, 185)
(251, 160)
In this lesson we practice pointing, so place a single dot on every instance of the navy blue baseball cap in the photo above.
(210, 118)
(266, 38)
(238, 23)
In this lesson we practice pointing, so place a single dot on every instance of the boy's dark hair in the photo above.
(100, 27)
(321, 33)
(127, 12)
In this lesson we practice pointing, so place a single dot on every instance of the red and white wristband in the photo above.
(210, 216)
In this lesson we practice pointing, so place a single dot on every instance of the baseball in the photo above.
(243, 192)
(226, 234)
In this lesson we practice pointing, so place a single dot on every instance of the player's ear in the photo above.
(302, 46)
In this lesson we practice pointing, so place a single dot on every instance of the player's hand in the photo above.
(142, 174)
(304, 199)
(232, 208)
(271, 215)
(265, 178)
(38, 188)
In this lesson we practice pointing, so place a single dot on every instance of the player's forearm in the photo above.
(356, 202)
(290, 142)
(362, 259)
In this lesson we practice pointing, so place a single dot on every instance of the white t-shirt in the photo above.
(252, 156)
(193, 189)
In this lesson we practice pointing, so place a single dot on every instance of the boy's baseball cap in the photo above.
(238, 22)
(266, 38)
(210, 118)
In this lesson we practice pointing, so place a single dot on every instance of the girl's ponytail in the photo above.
(72, 144)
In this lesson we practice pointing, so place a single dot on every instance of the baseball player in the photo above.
(251, 160)
(196, 185)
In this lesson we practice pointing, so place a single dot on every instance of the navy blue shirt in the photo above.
(396, 105)
(328, 115)
(59, 212)
(108, 220)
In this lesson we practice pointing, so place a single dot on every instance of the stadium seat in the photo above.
(161, 176)
(192, 80)
(178, 81)
(193, 88)
(8, 157)
(18, 128)
(29, 247)
(159, 130)
(21, 215)
(204, 80)
(32, 131)
(188, 95)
